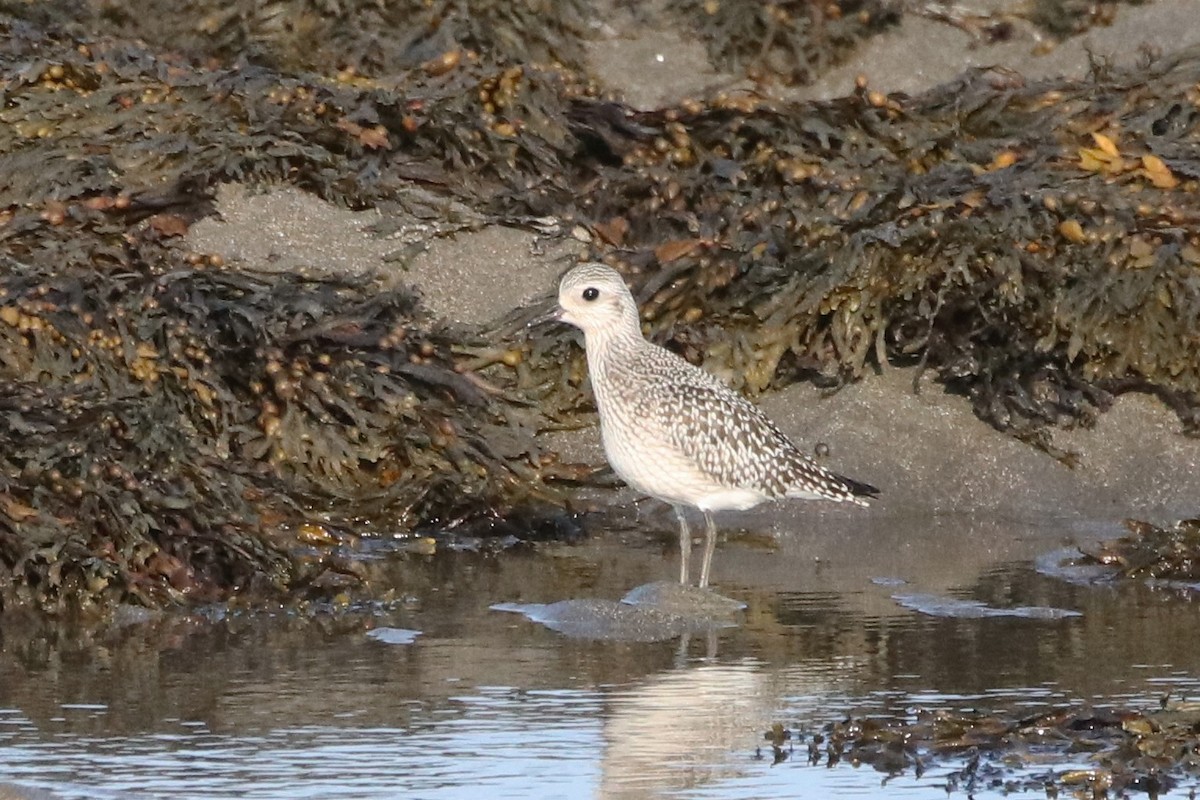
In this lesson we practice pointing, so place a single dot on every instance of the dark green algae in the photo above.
(1120, 751)
(172, 429)
(1167, 555)
(793, 42)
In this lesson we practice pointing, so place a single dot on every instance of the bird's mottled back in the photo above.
(673, 430)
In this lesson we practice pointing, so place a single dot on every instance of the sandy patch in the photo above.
(470, 276)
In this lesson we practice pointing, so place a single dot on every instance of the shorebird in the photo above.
(675, 432)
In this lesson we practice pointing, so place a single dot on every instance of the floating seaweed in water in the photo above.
(1128, 749)
(1169, 553)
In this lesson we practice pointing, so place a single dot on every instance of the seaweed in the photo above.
(352, 39)
(1128, 749)
(1150, 552)
(1063, 18)
(107, 118)
(793, 41)
(170, 431)
(1046, 21)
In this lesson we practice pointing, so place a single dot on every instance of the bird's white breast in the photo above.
(643, 454)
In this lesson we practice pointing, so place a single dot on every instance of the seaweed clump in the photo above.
(1063, 18)
(174, 429)
(793, 41)
(1054, 20)
(92, 118)
(353, 39)
(177, 432)
(1170, 553)
(1128, 749)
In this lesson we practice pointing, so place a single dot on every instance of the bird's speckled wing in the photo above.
(732, 440)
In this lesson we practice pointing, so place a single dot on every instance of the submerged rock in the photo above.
(676, 598)
(650, 613)
(941, 606)
(393, 635)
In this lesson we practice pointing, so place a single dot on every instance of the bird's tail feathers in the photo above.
(860, 493)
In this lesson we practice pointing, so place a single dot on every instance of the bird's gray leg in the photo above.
(710, 544)
(685, 545)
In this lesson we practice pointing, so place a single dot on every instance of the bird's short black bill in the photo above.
(553, 315)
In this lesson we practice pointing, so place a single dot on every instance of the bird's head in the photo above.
(595, 299)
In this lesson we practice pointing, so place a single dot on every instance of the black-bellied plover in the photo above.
(675, 432)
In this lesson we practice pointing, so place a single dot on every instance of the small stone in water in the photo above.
(393, 635)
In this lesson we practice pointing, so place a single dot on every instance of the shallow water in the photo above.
(488, 703)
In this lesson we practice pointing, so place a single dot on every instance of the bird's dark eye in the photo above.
(591, 293)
